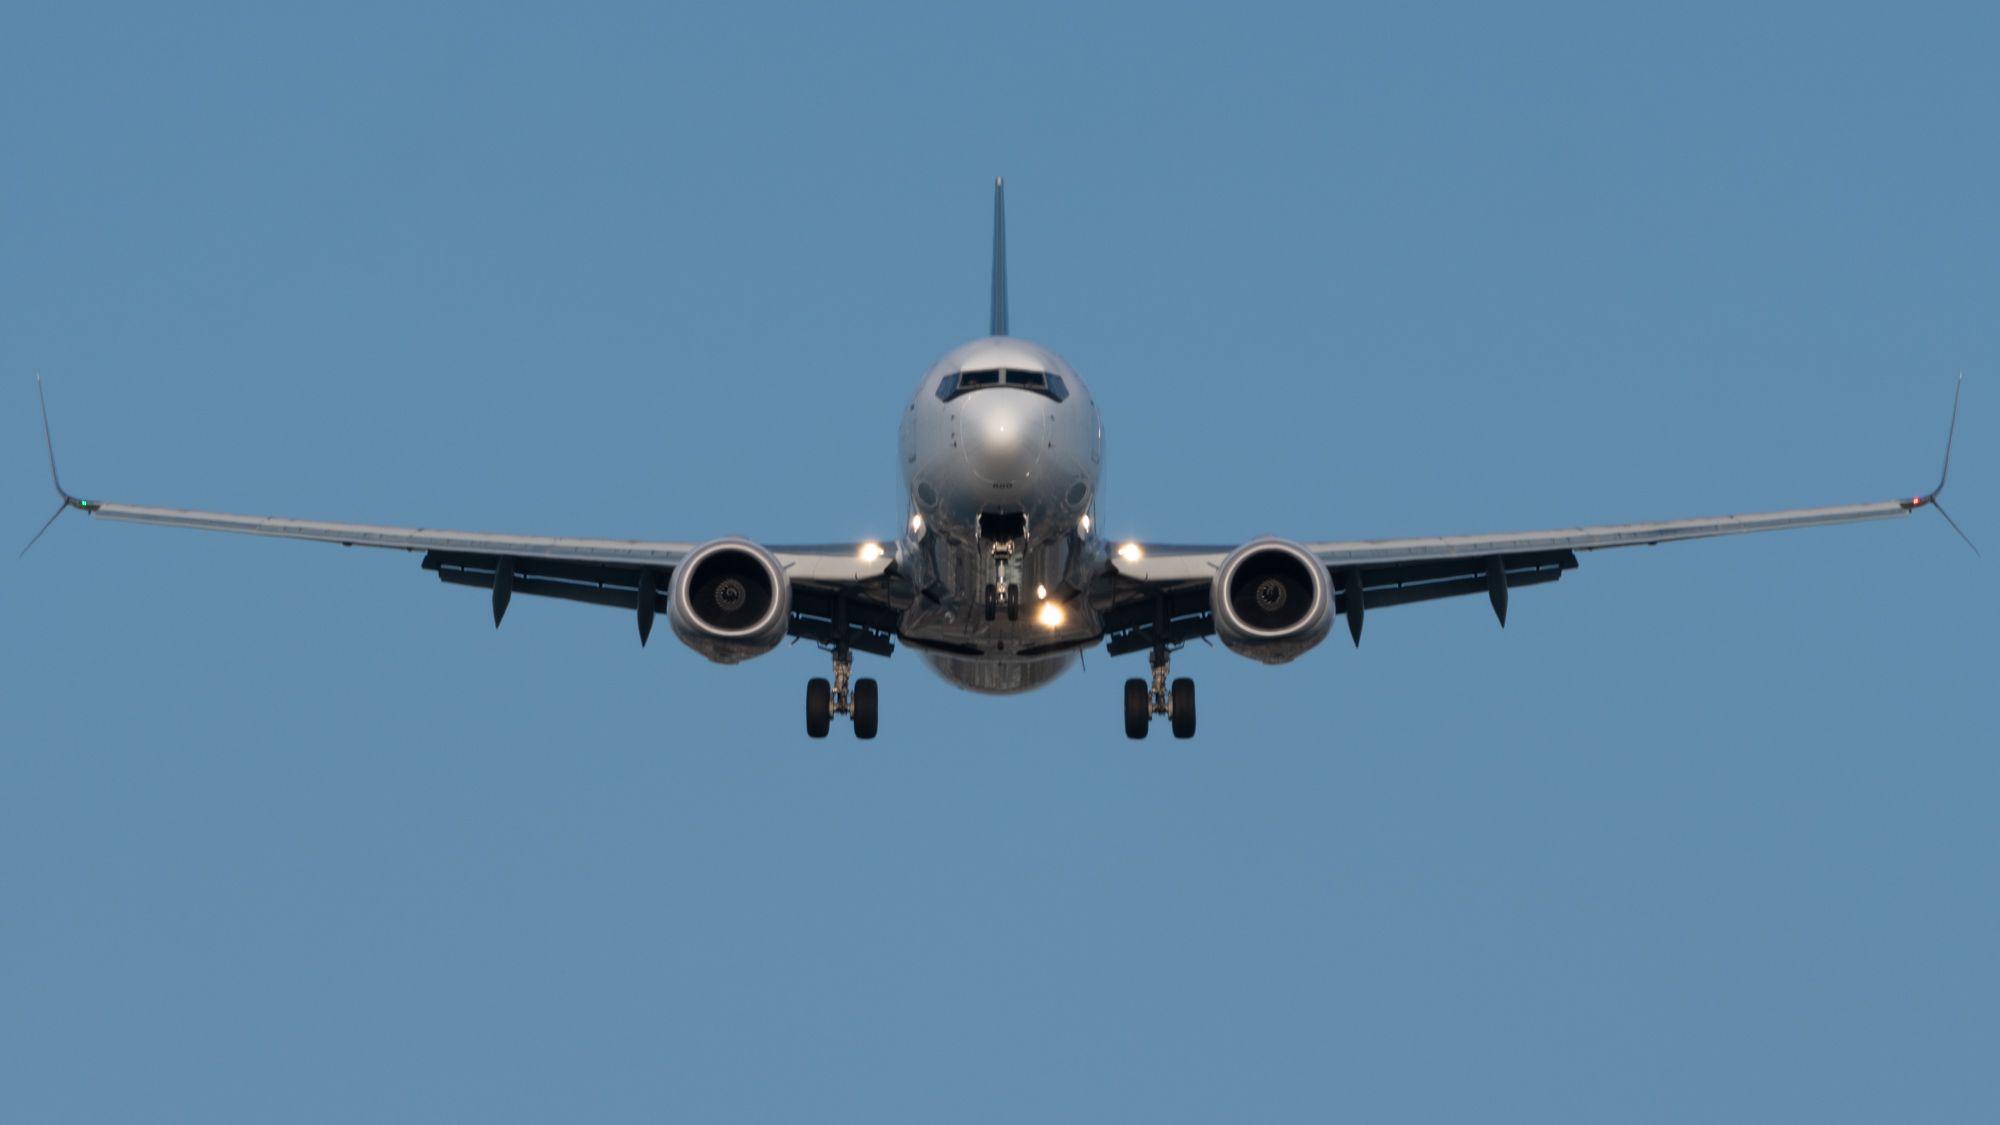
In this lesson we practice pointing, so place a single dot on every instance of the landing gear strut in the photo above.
(843, 696)
(1144, 700)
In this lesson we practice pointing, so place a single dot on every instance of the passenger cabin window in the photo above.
(1041, 382)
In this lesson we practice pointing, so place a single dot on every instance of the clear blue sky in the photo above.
(290, 833)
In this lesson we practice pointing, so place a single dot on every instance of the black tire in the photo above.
(1183, 702)
(864, 708)
(1138, 709)
(819, 707)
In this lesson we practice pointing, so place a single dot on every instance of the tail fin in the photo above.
(999, 326)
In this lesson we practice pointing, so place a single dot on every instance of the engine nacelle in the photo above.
(730, 600)
(1272, 601)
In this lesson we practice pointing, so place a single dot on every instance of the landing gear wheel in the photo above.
(1138, 709)
(864, 708)
(819, 707)
(1183, 708)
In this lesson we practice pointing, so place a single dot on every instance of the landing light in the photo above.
(1083, 524)
(870, 552)
(917, 523)
(1130, 552)
(1051, 615)
(1041, 593)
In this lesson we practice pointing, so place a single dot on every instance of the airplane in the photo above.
(1000, 580)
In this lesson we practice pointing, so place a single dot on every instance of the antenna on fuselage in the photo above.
(999, 325)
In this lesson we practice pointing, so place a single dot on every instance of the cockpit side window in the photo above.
(951, 386)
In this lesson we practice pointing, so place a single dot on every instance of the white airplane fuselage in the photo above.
(1001, 448)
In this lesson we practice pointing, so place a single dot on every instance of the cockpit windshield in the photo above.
(1041, 382)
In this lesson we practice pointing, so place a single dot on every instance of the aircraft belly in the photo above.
(995, 675)
(959, 629)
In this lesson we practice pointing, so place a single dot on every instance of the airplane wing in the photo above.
(1414, 558)
(1393, 572)
(612, 572)
(1162, 592)
(598, 571)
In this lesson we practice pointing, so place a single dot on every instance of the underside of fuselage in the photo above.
(993, 675)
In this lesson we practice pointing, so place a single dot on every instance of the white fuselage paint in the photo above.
(1000, 451)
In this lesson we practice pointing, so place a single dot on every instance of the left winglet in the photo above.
(1930, 499)
(55, 478)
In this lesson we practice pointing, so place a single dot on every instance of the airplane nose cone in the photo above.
(1002, 434)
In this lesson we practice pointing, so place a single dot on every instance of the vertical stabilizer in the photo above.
(999, 325)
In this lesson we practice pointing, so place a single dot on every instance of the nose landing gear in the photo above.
(1003, 594)
(1143, 700)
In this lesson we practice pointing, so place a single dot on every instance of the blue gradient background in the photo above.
(290, 833)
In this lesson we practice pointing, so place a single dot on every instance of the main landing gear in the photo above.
(1143, 700)
(856, 698)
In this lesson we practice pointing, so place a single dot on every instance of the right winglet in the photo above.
(1931, 498)
(55, 478)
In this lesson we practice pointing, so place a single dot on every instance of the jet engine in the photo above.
(730, 601)
(1272, 601)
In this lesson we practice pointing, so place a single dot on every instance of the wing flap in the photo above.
(827, 617)
(1409, 583)
(1171, 615)
(551, 588)
(1394, 595)
(594, 584)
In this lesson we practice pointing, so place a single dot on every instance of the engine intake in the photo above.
(730, 601)
(1272, 601)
